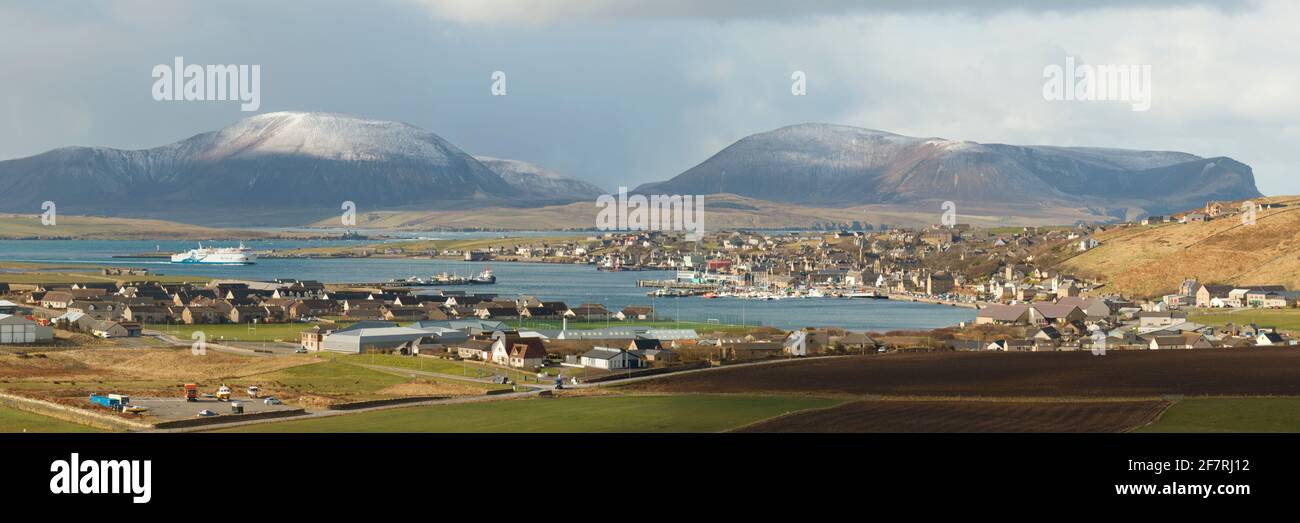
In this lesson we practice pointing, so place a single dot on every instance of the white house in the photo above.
(611, 359)
(1269, 339)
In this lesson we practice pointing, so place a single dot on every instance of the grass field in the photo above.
(1284, 319)
(1230, 415)
(14, 420)
(688, 413)
(465, 369)
(237, 332)
(330, 378)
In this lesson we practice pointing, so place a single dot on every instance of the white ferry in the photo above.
(223, 255)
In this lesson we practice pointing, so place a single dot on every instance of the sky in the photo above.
(622, 92)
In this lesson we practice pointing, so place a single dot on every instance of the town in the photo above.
(1007, 276)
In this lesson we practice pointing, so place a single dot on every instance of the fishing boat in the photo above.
(484, 278)
(449, 279)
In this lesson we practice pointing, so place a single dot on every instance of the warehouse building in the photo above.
(382, 339)
(17, 329)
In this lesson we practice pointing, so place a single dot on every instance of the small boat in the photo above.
(449, 279)
(484, 278)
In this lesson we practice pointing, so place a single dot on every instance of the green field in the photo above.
(14, 420)
(1230, 415)
(288, 332)
(1284, 319)
(685, 413)
(330, 378)
(466, 369)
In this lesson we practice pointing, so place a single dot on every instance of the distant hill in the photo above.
(291, 168)
(534, 181)
(721, 211)
(820, 164)
(1153, 260)
(283, 161)
(17, 226)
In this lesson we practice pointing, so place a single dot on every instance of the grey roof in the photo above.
(366, 325)
(486, 325)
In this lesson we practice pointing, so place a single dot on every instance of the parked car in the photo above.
(273, 401)
(134, 409)
(300, 350)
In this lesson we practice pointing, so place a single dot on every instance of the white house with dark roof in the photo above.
(610, 358)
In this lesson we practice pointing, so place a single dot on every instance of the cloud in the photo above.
(622, 97)
(534, 12)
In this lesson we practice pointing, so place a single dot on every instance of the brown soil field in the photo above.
(968, 416)
(1126, 374)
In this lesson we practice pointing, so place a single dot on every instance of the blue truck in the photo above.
(110, 401)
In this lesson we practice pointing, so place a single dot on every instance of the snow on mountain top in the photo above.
(327, 135)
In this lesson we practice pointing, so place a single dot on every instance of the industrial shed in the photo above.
(383, 339)
(17, 329)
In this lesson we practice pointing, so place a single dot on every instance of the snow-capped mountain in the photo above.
(539, 182)
(269, 161)
(835, 165)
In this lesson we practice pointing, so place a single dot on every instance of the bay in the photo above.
(571, 283)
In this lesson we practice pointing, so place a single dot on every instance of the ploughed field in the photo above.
(1126, 374)
(969, 416)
